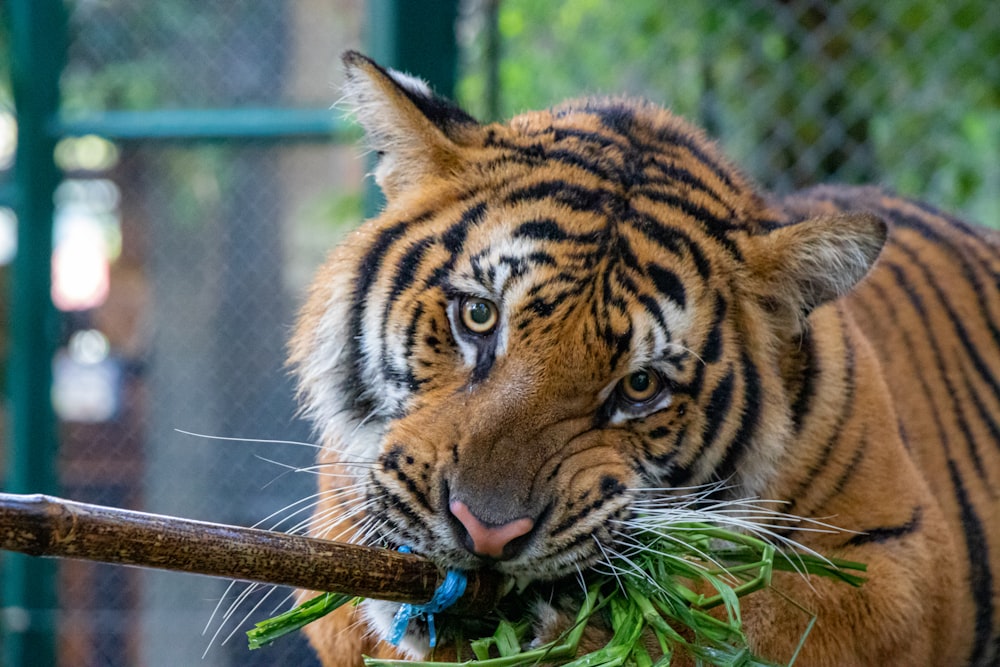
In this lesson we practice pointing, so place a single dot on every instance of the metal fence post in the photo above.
(417, 38)
(38, 52)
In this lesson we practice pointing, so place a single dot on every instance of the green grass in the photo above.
(655, 590)
(267, 631)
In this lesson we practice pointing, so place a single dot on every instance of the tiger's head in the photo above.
(550, 319)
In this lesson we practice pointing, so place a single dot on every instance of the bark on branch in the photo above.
(41, 525)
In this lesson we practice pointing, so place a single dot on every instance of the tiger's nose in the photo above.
(489, 540)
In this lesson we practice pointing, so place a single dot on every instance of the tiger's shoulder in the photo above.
(930, 310)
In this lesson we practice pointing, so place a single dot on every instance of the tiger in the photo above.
(555, 318)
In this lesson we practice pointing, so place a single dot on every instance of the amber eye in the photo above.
(479, 315)
(640, 386)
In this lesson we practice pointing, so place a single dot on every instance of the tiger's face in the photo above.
(550, 320)
(524, 400)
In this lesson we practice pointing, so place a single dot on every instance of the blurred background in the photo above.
(171, 173)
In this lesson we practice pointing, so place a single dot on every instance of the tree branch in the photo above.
(41, 525)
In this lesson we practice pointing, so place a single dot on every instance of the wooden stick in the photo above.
(41, 525)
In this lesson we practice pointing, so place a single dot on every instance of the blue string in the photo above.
(445, 596)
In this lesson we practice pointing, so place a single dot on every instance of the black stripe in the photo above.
(620, 118)
(980, 575)
(714, 226)
(652, 306)
(671, 135)
(667, 283)
(410, 379)
(808, 373)
(985, 415)
(391, 464)
(536, 155)
(540, 307)
(454, 241)
(848, 472)
(485, 358)
(847, 403)
(671, 239)
(887, 533)
(602, 169)
(717, 410)
(959, 224)
(454, 237)
(620, 343)
(411, 528)
(366, 272)
(563, 192)
(632, 148)
(968, 345)
(574, 519)
(602, 140)
(939, 363)
(711, 351)
(624, 279)
(404, 275)
(543, 230)
(675, 475)
(977, 549)
(616, 116)
(406, 269)
(749, 420)
(676, 174)
(620, 249)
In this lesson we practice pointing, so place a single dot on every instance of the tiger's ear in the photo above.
(799, 267)
(414, 132)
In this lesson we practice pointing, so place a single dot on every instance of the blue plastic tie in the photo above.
(450, 590)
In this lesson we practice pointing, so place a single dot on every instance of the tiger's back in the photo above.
(557, 318)
(931, 310)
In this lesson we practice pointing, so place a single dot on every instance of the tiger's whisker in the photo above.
(263, 441)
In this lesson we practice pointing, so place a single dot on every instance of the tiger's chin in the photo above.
(550, 585)
(553, 604)
(380, 616)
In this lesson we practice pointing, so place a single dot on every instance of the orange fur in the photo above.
(615, 239)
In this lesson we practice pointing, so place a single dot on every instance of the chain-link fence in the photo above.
(904, 93)
(178, 267)
(179, 321)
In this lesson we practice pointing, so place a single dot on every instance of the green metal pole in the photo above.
(492, 52)
(417, 38)
(38, 48)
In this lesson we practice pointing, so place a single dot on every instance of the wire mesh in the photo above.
(210, 246)
(903, 93)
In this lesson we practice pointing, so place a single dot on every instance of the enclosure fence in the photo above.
(193, 175)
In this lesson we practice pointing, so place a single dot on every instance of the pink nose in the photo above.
(489, 540)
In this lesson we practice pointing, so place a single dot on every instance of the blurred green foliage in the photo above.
(904, 93)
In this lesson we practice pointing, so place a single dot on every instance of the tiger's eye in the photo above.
(640, 386)
(479, 315)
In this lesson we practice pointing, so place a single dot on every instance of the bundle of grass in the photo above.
(678, 560)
